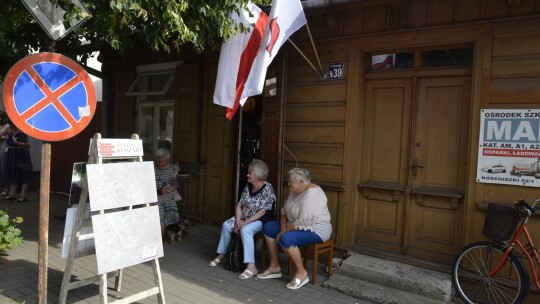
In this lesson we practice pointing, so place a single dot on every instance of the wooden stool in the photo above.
(318, 248)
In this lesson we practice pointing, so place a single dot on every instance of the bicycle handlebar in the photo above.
(522, 203)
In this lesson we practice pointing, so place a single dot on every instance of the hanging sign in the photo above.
(509, 148)
(49, 96)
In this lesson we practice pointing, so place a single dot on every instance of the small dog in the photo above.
(175, 232)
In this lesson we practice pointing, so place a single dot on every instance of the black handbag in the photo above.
(26, 165)
(235, 254)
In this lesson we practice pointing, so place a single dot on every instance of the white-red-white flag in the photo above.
(286, 17)
(237, 56)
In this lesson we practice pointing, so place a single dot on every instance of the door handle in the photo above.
(415, 167)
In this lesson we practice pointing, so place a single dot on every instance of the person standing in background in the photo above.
(17, 164)
(4, 133)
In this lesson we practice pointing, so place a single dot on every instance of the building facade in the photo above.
(390, 132)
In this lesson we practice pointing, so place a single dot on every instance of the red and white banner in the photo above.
(236, 58)
(286, 17)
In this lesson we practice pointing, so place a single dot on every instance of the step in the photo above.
(373, 292)
(387, 275)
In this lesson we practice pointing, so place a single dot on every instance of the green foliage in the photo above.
(9, 233)
(158, 24)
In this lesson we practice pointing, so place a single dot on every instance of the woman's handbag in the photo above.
(177, 196)
(235, 254)
(26, 165)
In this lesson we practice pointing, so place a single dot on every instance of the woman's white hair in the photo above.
(162, 152)
(301, 174)
(259, 168)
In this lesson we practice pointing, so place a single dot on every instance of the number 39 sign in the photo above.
(335, 71)
(49, 96)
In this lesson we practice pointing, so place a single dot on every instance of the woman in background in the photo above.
(17, 164)
(166, 183)
(4, 133)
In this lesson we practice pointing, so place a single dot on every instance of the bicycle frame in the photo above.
(515, 241)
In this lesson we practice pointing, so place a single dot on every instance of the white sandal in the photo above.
(296, 283)
(247, 274)
(215, 262)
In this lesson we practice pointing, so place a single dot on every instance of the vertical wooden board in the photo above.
(418, 13)
(186, 113)
(217, 192)
(495, 9)
(440, 12)
(525, 8)
(397, 16)
(353, 21)
(467, 10)
(375, 19)
(124, 105)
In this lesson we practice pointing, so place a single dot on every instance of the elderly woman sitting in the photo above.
(166, 183)
(252, 210)
(305, 220)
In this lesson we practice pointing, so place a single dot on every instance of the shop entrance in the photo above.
(414, 166)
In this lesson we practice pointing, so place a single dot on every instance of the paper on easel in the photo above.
(117, 148)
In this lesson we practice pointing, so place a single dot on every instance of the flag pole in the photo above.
(313, 45)
(308, 61)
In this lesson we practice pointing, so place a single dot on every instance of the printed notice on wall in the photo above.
(509, 151)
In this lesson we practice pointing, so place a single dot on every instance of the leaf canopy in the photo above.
(168, 25)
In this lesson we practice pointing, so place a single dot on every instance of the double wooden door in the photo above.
(414, 166)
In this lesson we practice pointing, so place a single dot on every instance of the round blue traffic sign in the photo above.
(49, 96)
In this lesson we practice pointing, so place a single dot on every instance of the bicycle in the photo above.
(493, 271)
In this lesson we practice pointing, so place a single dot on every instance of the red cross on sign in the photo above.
(49, 96)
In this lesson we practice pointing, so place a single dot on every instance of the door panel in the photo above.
(413, 166)
(384, 159)
(217, 197)
(440, 149)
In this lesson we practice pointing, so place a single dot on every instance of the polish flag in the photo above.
(286, 17)
(236, 58)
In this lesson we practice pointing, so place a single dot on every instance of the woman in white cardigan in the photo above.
(304, 220)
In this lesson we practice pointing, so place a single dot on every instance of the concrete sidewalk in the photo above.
(186, 276)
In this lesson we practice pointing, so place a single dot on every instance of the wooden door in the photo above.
(384, 164)
(438, 168)
(218, 166)
(413, 166)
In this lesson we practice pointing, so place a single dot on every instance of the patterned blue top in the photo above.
(253, 202)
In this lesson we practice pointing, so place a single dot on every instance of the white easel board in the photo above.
(115, 185)
(127, 238)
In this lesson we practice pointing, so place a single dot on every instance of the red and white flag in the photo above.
(286, 17)
(236, 58)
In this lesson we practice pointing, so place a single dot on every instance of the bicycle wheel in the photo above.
(509, 285)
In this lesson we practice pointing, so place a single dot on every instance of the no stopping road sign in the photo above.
(49, 96)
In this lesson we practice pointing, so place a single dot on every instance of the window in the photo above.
(392, 61)
(422, 58)
(155, 97)
(447, 57)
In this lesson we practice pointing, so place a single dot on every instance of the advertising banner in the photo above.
(509, 150)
